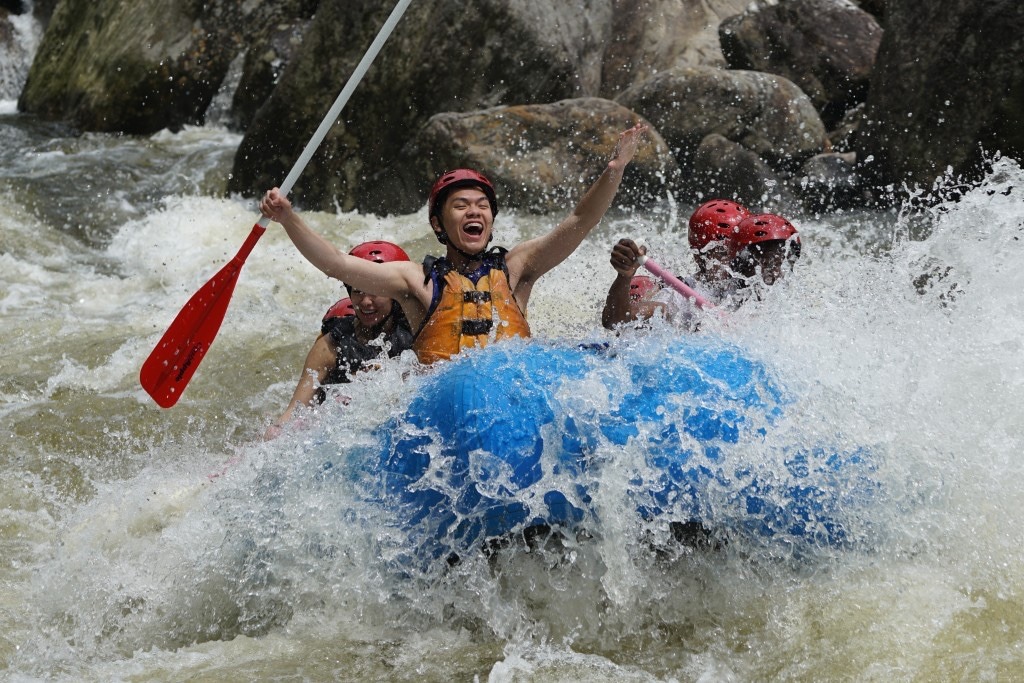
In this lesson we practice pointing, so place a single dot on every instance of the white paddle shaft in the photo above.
(335, 111)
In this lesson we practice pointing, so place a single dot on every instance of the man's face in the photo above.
(764, 259)
(467, 219)
(371, 310)
(714, 259)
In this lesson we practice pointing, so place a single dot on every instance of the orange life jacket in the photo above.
(466, 315)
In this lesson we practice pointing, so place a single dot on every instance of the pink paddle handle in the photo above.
(675, 283)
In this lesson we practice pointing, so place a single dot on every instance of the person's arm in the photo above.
(531, 259)
(396, 280)
(617, 308)
(319, 361)
(616, 305)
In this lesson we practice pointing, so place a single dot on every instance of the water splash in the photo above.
(16, 57)
(898, 331)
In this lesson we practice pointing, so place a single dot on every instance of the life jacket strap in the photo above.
(476, 327)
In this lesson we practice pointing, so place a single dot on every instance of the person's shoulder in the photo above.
(430, 262)
(338, 328)
(496, 257)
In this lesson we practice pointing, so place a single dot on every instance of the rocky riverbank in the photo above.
(814, 104)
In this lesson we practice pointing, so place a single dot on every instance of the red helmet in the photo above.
(715, 220)
(640, 286)
(763, 228)
(460, 177)
(379, 252)
(340, 309)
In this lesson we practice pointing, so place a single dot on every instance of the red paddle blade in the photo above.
(177, 355)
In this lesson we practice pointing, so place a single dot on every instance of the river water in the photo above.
(161, 545)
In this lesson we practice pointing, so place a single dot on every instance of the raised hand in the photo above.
(627, 145)
(275, 205)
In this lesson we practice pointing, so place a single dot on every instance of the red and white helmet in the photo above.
(641, 286)
(715, 221)
(379, 252)
(340, 309)
(460, 177)
(763, 228)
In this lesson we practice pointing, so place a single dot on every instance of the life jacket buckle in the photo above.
(476, 327)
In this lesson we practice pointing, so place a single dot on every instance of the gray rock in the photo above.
(826, 47)
(947, 89)
(830, 182)
(655, 35)
(767, 114)
(722, 168)
(444, 56)
(540, 157)
(263, 64)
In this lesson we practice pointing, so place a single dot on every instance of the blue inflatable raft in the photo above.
(519, 434)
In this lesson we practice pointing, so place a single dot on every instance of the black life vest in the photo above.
(352, 355)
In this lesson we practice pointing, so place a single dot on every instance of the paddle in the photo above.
(177, 355)
(675, 283)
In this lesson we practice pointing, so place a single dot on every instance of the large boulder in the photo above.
(135, 66)
(445, 55)
(947, 89)
(830, 182)
(265, 60)
(827, 47)
(42, 10)
(764, 113)
(14, 58)
(541, 157)
(655, 35)
(723, 168)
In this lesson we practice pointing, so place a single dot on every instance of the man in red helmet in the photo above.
(732, 249)
(711, 229)
(766, 244)
(471, 296)
(354, 333)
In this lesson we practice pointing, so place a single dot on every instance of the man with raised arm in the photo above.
(472, 295)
